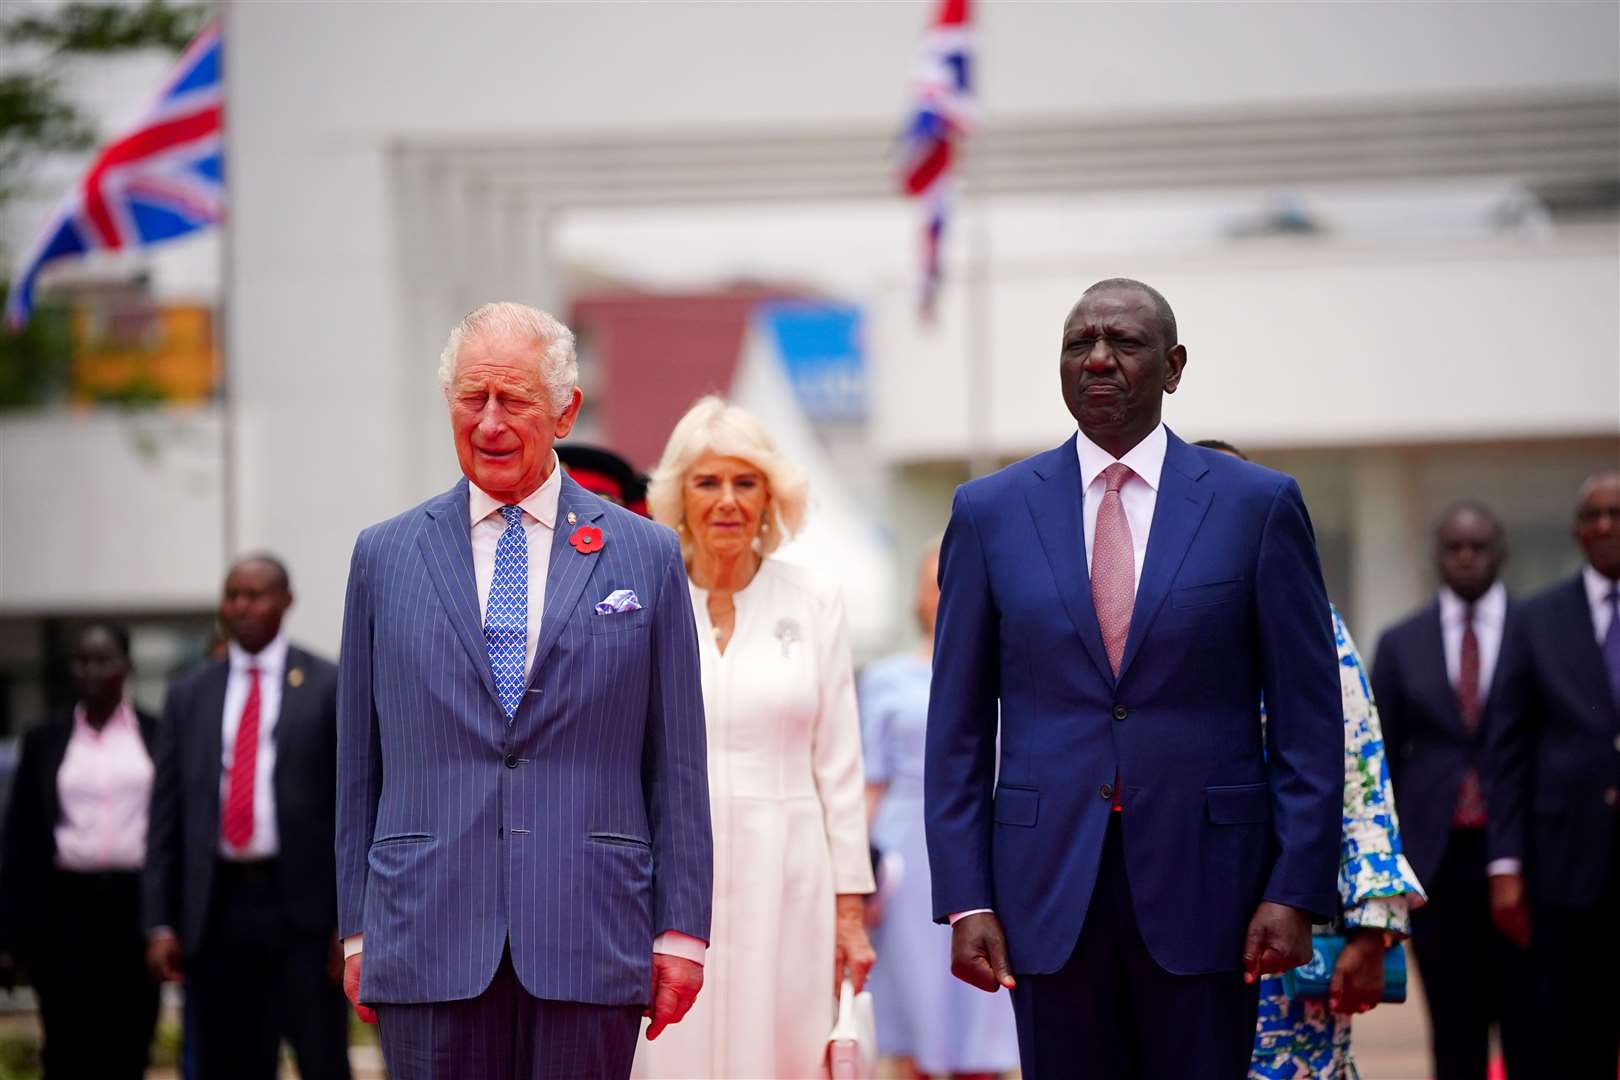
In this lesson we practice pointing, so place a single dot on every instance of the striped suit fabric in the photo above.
(569, 836)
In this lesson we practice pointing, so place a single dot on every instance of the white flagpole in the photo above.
(229, 451)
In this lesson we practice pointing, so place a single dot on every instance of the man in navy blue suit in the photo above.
(1114, 610)
(1435, 678)
(524, 854)
(1552, 786)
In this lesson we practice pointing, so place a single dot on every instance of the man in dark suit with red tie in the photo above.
(1112, 834)
(1552, 786)
(1434, 679)
(240, 881)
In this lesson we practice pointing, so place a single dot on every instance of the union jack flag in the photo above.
(940, 117)
(164, 179)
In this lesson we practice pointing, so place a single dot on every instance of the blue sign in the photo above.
(821, 350)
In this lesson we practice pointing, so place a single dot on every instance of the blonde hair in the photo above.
(713, 427)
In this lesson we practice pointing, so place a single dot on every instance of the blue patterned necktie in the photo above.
(506, 618)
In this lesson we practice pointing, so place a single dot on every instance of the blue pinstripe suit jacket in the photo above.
(578, 831)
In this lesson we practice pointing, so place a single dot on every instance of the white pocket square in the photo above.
(617, 602)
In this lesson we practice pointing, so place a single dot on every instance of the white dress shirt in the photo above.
(1138, 495)
(539, 527)
(265, 843)
(1597, 598)
(102, 790)
(1490, 617)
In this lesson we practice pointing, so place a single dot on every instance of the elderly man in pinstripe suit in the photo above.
(523, 816)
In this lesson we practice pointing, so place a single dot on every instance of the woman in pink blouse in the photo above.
(70, 871)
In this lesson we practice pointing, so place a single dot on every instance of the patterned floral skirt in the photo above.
(1299, 1040)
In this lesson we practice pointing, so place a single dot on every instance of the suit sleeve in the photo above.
(836, 753)
(160, 876)
(359, 749)
(23, 858)
(1305, 714)
(1389, 696)
(1507, 770)
(960, 760)
(675, 764)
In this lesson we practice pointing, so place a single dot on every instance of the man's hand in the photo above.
(675, 985)
(1510, 908)
(1358, 977)
(163, 957)
(351, 989)
(979, 953)
(334, 961)
(853, 949)
(1279, 940)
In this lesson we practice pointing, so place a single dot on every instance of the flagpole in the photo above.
(228, 452)
(980, 385)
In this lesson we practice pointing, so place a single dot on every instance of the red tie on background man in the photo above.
(1113, 578)
(1470, 811)
(236, 821)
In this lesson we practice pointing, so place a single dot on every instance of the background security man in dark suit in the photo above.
(1553, 789)
(240, 885)
(1434, 678)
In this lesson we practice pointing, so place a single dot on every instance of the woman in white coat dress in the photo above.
(791, 862)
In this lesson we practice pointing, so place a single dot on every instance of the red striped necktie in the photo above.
(236, 821)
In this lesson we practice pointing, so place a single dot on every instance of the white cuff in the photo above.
(964, 914)
(1503, 867)
(685, 946)
(353, 944)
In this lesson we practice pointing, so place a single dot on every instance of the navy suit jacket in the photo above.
(574, 833)
(182, 843)
(1427, 747)
(1230, 606)
(1552, 774)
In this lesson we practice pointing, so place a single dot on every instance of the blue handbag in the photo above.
(1314, 978)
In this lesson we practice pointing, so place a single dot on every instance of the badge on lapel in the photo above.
(295, 677)
(587, 540)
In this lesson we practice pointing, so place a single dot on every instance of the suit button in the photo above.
(1106, 791)
(511, 761)
(1610, 796)
(1120, 712)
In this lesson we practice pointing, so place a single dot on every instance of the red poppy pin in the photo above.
(587, 540)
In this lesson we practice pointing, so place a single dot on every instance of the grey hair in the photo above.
(504, 318)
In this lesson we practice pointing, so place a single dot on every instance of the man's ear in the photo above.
(565, 422)
(1174, 361)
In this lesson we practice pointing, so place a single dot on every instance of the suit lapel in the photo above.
(210, 741)
(1580, 647)
(1055, 503)
(1177, 514)
(446, 544)
(569, 569)
(290, 714)
(1430, 662)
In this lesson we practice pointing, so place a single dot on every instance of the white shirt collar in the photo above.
(540, 505)
(1490, 609)
(1145, 459)
(1597, 587)
(122, 717)
(270, 660)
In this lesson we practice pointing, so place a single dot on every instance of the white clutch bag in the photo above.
(852, 1046)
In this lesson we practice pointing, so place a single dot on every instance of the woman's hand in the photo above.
(853, 950)
(1358, 977)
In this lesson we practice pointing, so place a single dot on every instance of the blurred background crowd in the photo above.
(1391, 234)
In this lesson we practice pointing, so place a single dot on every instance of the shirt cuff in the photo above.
(964, 914)
(353, 945)
(161, 931)
(1500, 867)
(685, 946)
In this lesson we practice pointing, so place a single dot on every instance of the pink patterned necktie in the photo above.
(1113, 566)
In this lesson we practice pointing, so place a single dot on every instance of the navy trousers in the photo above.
(1112, 1011)
(505, 1033)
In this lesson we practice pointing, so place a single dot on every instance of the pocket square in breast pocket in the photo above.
(618, 602)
